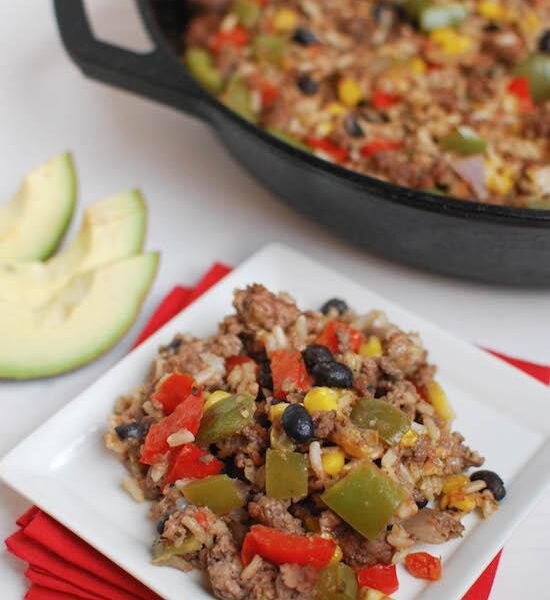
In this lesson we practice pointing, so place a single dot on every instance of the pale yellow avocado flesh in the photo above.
(34, 221)
(83, 320)
(112, 229)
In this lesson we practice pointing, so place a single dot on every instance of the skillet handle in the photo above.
(157, 74)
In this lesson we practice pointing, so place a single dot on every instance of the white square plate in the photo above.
(64, 468)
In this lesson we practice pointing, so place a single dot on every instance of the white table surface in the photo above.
(204, 207)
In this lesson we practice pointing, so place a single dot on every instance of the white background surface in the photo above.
(204, 207)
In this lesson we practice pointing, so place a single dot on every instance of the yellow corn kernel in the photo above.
(409, 439)
(463, 503)
(499, 181)
(319, 399)
(214, 397)
(352, 441)
(284, 20)
(337, 556)
(324, 128)
(494, 11)
(530, 22)
(333, 460)
(438, 399)
(366, 593)
(418, 66)
(372, 347)
(336, 109)
(276, 410)
(349, 91)
(455, 483)
(451, 42)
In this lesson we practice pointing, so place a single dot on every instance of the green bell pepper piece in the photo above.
(285, 474)
(163, 552)
(336, 582)
(199, 63)
(220, 493)
(375, 413)
(536, 67)
(237, 98)
(289, 139)
(248, 12)
(429, 16)
(464, 141)
(539, 204)
(226, 418)
(269, 47)
(366, 499)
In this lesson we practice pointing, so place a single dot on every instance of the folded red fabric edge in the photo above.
(48, 586)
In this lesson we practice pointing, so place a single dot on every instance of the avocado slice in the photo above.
(112, 229)
(83, 320)
(34, 221)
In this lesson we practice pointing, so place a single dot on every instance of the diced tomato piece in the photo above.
(173, 390)
(238, 37)
(519, 87)
(269, 92)
(379, 577)
(379, 146)
(239, 359)
(186, 415)
(329, 336)
(289, 372)
(423, 566)
(383, 100)
(337, 153)
(278, 547)
(191, 462)
(201, 518)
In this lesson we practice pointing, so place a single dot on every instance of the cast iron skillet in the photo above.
(465, 239)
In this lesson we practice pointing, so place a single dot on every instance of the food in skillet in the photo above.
(448, 96)
(298, 452)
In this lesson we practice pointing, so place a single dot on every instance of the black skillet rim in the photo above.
(385, 190)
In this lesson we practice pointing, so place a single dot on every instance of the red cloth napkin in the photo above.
(63, 567)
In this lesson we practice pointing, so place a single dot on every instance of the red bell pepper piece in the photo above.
(238, 37)
(278, 547)
(173, 390)
(239, 359)
(191, 462)
(381, 100)
(186, 415)
(329, 337)
(379, 146)
(423, 566)
(337, 153)
(288, 372)
(379, 577)
(519, 87)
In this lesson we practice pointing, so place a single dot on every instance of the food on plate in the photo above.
(34, 221)
(261, 445)
(112, 229)
(449, 96)
(81, 321)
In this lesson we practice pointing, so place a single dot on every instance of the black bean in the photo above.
(316, 353)
(308, 85)
(304, 37)
(161, 523)
(544, 41)
(134, 430)
(340, 306)
(491, 27)
(421, 503)
(352, 127)
(387, 10)
(297, 423)
(493, 481)
(265, 378)
(333, 374)
(175, 344)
